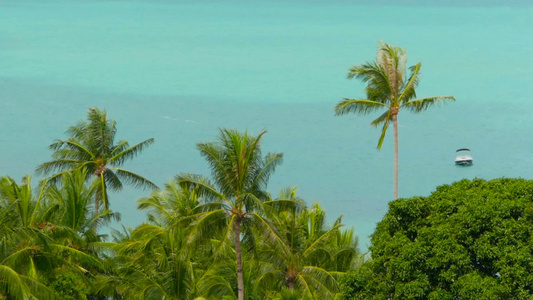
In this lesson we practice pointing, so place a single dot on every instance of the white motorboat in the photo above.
(463, 157)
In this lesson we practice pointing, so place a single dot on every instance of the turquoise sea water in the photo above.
(178, 70)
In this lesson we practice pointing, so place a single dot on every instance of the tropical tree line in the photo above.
(217, 237)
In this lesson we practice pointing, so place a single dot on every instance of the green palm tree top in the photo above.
(388, 87)
(91, 146)
(239, 170)
(240, 175)
(308, 256)
(237, 164)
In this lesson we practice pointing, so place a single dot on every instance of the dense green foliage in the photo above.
(221, 239)
(34, 243)
(68, 285)
(468, 240)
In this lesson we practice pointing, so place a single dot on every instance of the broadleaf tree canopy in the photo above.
(469, 240)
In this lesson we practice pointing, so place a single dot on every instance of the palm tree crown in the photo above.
(91, 146)
(240, 174)
(309, 256)
(389, 88)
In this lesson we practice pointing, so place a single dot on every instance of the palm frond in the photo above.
(19, 287)
(59, 164)
(321, 240)
(420, 105)
(203, 187)
(134, 179)
(359, 106)
(111, 180)
(383, 132)
(323, 281)
(11, 283)
(77, 255)
(121, 146)
(209, 224)
(212, 154)
(379, 86)
(269, 233)
(263, 173)
(384, 118)
(56, 178)
(215, 286)
(71, 148)
(293, 205)
(409, 92)
(120, 157)
(103, 217)
(251, 202)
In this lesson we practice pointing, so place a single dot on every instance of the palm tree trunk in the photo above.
(291, 284)
(395, 123)
(238, 254)
(97, 196)
(100, 195)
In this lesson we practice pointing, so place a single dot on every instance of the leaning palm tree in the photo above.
(92, 146)
(389, 88)
(240, 174)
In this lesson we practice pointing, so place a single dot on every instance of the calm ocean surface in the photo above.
(178, 70)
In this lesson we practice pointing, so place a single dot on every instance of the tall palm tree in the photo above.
(240, 174)
(92, 146)
(389, 88)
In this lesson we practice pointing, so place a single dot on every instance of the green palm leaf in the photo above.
(420, 105)
(121, 155)
(360, 106)
(133, 179)
(19, 287)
